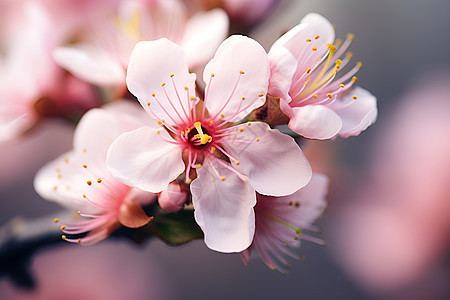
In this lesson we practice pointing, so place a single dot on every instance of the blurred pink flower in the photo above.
(397, 226)
(235, 160)
(281, 222)
(304, 66)
(102, 54)
(79, 179)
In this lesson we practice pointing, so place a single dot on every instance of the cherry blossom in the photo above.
(79, 179)
(101, 57)
(304, 74)
(281, 223)
(200, 139)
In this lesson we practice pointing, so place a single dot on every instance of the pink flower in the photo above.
(79, 180)
(281, 221)
(103, 56)
(304, 74)
(228, 162)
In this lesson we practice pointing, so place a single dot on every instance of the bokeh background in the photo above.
(388, 220)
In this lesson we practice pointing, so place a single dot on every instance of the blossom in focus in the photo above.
(102, 54)
(281, 222)
(79, 179)
(305, 74)
(200, 139)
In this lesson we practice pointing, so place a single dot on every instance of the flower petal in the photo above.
(360, 114)
(90, 64)
(223, 209)
(132, 215)
(282, 69)
(314, 121)
(241, 69)
(144, 159)
(159, 68)
(274, 164)
(203, 34)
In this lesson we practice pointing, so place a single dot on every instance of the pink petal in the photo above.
(274, 164)
(149, 72)
(90, 64)
(282, 69)
(295, 40)
(203, 34)
(236, 55)
(144, 159)
(223, 209)
(360, 114)
(173, 198)
(314, 121)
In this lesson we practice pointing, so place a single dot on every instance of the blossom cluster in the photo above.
(224, 147)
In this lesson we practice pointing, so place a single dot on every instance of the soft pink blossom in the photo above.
(305, 69)
(281, 223)
(173, 197)
(79, 180)
(227, 162)
(102, 55)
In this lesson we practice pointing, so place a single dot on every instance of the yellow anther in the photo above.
(349, 55)
(338, 62)
(56, 220)
(188, 180)
(329, 95)
(213, 149)
(249, 123)
(89, 182)
(171, 75)
(63, 227)
(243, 98)
(212, 75)
(222, 178)
(257, 139)
(261, 95)
(341, 85)
(153, 95)
(355, 79)
(163, 84)
(241, 129)
(182, 133)
(79, 241)
(192, 98)
(66, 160)
(211, 121)
(55, 188)
(238, 163)
(84, 150)
(338, 42)
(84, 195)
(314, 48)
(148, 103)
(158, 131)
(99, 180)
(186, 88)
(359, 65)
(63, 237)
(242, 72)
(79, 212)
(315, 96)
(198, 166)
(308, 40)
(354, 97)
(159, 123)
(58, 170)
(308, 70)
(350, 36)
(332, 47)
(188, 130)
(316, 37)
(222, 115)
(59, 176)
(204, 138)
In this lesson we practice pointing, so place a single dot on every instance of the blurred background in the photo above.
(388, 219)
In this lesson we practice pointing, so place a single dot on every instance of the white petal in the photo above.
(315, 122)
(274, 163)
(235, 55)
(203, 34)
(90, 64)
(144, 159)
(223, 209)
(149, 72)
(360, 114)
(282, 69)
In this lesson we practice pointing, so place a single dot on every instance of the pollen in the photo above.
(56, 220)
(349, 55)
(308, 70)
(316, 37)
(63, 227)
(79, 212)
(163, 84)
(222, 115)
(238, 163)
(89, 182)
(59, 176)
(332, 47)
(355, 79)
(354, 97)
(359, 65)
(99, 180)
(257, 139)
(243, 98)
(79, 241)
(63, 237)
(55, 188)
(249, 123)
(171, 75)
(212, 75)
(192, 98)
(85, 166)
(341, 85)
(210, 122)
(222, 178)
(148, 103)
(213, 149)
(66, 160)
(158, 131)
(242, 72)
(186, 88)
(58, 170)
(261, 95)
(308, 40)
(84, 150)
(350, 36)
(84, 195)
(241, 129)
(315, 96)
(159, 123)
(153, 95)
(329, 95)
(314, 48)
(188, 180)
